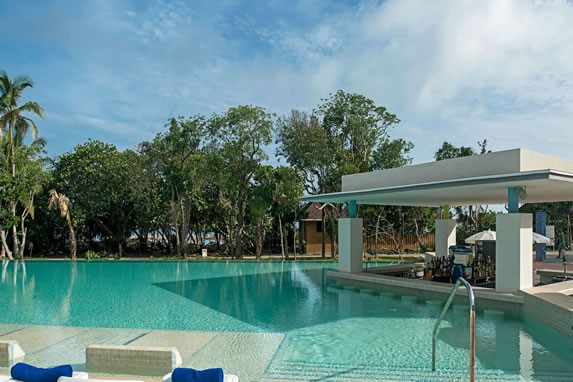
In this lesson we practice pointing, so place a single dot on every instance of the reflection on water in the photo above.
(274, 301)
(18, 271)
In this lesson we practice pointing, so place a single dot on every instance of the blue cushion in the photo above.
(29, 373)
(182, 374)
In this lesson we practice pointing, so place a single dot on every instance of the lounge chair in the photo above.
(76, 377)
(226, 378)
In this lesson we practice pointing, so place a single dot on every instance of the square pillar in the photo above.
(541, 228)
(513, 252)
(445, 236)
(350, 245)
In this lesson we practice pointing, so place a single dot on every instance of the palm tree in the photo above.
(14, 123)
(62, 202)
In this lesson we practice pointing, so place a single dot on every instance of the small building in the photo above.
(311, 229)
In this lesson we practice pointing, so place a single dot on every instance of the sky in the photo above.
(452, 70)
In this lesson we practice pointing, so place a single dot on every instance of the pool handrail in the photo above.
(472, 305)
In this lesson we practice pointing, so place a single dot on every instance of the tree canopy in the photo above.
(205, 181)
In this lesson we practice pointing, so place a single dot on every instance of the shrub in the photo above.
(92, 255)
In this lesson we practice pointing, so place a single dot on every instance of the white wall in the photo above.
(445, 236)
(350, 245)
(513, 252)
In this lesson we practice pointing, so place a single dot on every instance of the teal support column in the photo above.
(513, 200)
(352, 208)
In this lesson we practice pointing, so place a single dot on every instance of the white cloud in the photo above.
(456, 70)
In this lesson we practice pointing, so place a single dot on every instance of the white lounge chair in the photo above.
(226, 378)
(79, 376)
(74, 379)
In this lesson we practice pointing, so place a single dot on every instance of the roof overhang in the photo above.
(539, 185)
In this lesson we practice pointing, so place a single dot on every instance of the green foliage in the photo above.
(558, 214)
(239, 136)
(391, 154)
(449, 151)
(104, 187)
(92, 255)
(205, 176)
(22, 178)
(304, 144)
(180, 166)
(470, 219)
(355, 127)
(347, 133)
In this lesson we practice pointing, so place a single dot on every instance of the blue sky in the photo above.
(458, 70)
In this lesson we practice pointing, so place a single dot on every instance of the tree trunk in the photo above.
(285, 241)
(186, 218)
(12, 164)
(177, 235)
(418, 238)
(186, 223)
(294, 242)
(259, 240)
(15, 245)
(23, 242)
(239, 231)
(282, 238)
(73, 242)
(5, 244)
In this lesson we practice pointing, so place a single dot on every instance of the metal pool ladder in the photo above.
(472, 305)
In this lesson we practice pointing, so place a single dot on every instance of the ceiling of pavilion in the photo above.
(538, 186)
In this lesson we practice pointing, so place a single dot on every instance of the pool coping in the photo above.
(551, 304)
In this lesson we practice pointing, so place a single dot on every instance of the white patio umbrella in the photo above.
(488, 235)
(539, 238)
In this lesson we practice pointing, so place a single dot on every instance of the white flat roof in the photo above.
(478, 179)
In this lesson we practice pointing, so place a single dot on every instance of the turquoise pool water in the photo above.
(330, 333)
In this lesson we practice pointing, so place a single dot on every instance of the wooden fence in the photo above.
(410, 243)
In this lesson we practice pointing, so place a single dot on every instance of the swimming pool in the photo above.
(329, 333)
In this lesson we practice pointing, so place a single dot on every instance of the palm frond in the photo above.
(31, 124)
(23, 81)
(32, 107)
(60, 201)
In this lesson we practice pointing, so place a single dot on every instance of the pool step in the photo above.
(308, 371)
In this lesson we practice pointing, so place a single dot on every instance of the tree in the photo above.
(470, 218)
(181, 164)
(449, 151)
(18, 192)
(102, 185)
(239, 135)
(392, 153)
(62, 202)
(15, 123)
(304, 144)
(347, 133)
(558, 214)
(356, 127)
(260, 205)
(288, 188)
